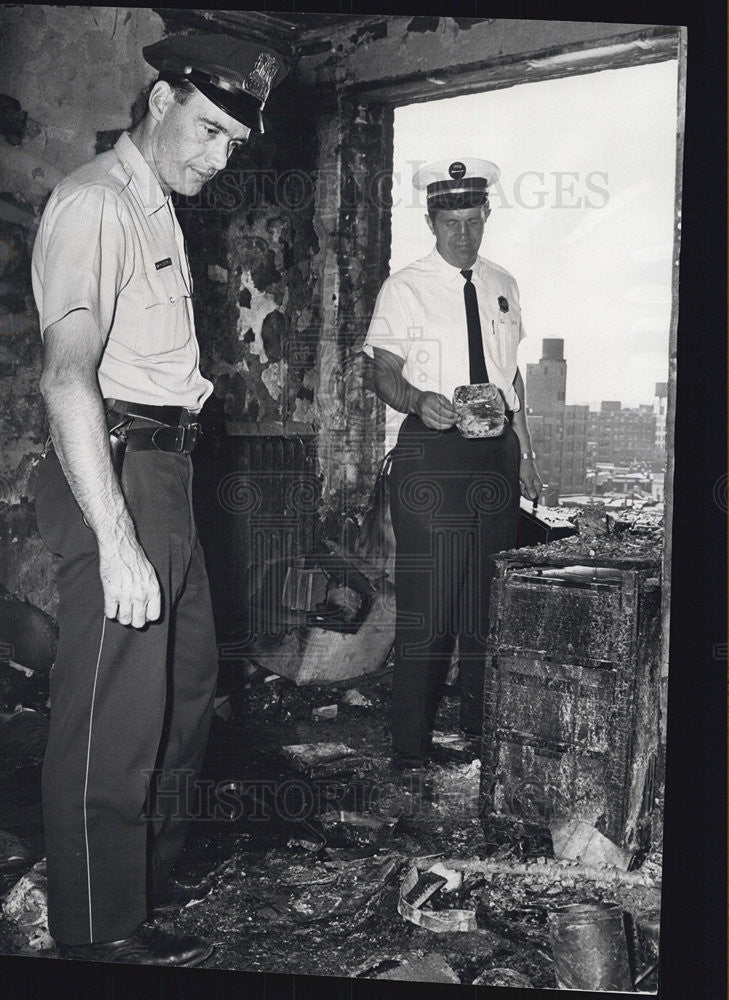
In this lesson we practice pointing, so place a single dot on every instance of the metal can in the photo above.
(590, 948)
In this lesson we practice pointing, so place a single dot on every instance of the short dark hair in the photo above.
(182, 91)
(182, 88)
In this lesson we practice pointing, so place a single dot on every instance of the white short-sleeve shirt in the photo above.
(109, 242)
(420, 316)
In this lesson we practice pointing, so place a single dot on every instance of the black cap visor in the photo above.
(236, 103)
(453, 202)
(454, 194)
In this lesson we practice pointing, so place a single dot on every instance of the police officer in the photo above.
(448, 320)
(133, 683)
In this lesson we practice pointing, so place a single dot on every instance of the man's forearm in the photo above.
(519, 420)
(520, 426)
(391, 387)
(70, 388)
(81, 440)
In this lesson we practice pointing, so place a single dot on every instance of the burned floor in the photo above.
(312, 856)
(306, 863)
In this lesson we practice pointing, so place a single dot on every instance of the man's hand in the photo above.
(131, 591)
(529, 479)
(435, 411)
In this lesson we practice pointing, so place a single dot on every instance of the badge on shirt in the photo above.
(503, 304)
(159, 264)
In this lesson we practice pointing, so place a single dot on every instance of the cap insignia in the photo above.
(258, 82)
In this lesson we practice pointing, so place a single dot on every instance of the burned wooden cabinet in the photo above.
(571, 697)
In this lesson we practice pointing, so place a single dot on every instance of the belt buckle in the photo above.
(164, 432)
(183, 438)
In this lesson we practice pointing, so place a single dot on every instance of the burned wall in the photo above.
(353, 219)
(254, 257)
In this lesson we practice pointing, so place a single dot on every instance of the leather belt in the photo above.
(162, 414)
(175, 431)
(176, 439)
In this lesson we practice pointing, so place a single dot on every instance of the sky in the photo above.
(582, 215)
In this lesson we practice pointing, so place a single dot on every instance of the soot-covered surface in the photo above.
(292, 892)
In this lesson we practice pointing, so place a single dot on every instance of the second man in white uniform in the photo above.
(450, 319)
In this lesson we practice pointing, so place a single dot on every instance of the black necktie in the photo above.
(476, 360)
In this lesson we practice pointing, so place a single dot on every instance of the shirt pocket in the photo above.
(166, 324)
(506, 327)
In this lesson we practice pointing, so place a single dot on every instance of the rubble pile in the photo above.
(323, 861)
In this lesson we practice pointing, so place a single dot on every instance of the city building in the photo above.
(573, 473)
(576, 446)
(559, 432)
(623, 435)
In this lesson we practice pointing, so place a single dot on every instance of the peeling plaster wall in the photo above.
(354, 224)
(75, 71)
(254, 257)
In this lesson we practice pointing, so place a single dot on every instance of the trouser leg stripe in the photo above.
(86, 780)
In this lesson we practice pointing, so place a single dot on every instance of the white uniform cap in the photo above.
(452, 182)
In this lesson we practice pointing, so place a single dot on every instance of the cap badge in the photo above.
(457, 170)
(503, 304)
(258, 82)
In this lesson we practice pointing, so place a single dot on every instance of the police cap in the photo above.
(235, 74)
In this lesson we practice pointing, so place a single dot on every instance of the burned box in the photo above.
(571, 697)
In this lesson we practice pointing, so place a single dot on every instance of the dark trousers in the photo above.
(453, 502)
(130, 708)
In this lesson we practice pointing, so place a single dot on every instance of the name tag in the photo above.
(159, 264)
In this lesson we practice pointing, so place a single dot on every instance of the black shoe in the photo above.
(151, 947)
(413, 777)
(408, 765)
(175, 895)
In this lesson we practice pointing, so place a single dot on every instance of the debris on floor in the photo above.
(418, 967)
(222, 708)
(13, 853)
(437, 921)
(574, 840)
(321, 712)
(356, 699)
(28, 636)
(451, 741)
(503, 977)
(23, 738)
(316, 759)
(359, 830)
(345, 635)
(275, 891)
(26, 907)
(309, 864)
